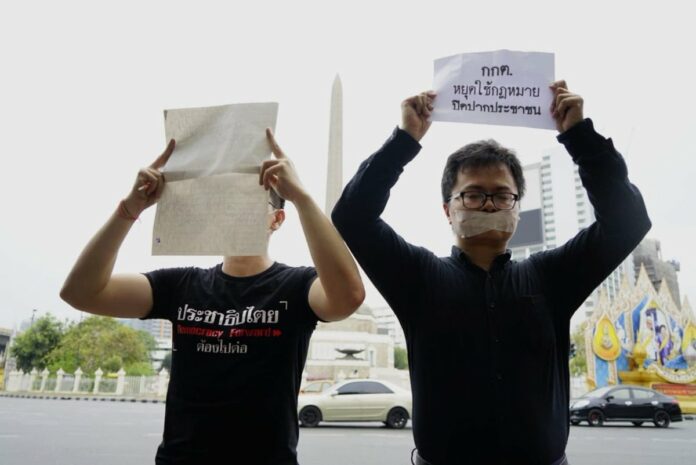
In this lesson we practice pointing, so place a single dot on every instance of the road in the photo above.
(70, 432)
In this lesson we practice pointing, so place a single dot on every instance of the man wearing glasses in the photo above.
(488, 337)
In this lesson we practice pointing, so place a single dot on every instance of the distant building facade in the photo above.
(358, 333)
(649, 255)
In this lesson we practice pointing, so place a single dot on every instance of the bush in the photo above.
(400, 358)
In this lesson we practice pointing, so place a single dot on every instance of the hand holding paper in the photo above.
(279, 174)
(149, 184)
(566, 107)
(501, 87)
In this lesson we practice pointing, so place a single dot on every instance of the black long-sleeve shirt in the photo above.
(488, 351)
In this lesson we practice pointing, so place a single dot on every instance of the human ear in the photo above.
(445, 207)
(278, 219)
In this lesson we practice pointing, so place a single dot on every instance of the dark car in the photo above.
(625, 403)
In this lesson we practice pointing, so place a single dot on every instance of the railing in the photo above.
(76, 383)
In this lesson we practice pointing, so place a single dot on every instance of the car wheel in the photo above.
(595, 418)
(574, 422)
(661, 419)
(637, 423)
(310, 416)
(397, 418)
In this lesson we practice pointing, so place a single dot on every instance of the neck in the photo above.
(481, 254)
(246, 266)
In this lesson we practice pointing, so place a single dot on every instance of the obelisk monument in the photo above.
(334, 175)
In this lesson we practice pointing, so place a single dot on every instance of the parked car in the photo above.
(317, 386)
(625, 403)
(357, 400)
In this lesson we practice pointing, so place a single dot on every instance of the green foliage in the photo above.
(578, 363)
(100, 342)
(31, 348)
(148, 340)
(400, 358)
(139, 368)
(112, 364)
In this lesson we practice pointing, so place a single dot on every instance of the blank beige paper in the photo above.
(212, 203)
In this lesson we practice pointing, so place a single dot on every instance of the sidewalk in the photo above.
(79, 396)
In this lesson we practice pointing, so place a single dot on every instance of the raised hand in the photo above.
(279, 174)
(149, 184)
(566, 107)
(415, 112)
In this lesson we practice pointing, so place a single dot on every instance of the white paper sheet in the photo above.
(212, 203)
(218, 140)
(215, 215)
(503, 87)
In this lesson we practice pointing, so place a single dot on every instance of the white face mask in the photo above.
(468, 223)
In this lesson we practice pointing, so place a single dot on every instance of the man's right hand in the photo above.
(415, 112)
(149, 184)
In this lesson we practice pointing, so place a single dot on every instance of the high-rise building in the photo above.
(159, 329)
(565, 204)
(529, 237)
(649, 254)
(388, 324)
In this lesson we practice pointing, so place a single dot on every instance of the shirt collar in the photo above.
(498, 263)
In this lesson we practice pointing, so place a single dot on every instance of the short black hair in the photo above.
(277, 201)
(483, 153)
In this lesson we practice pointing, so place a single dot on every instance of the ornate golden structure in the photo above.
(643, 338)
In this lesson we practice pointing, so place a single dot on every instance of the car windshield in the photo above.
(315, 387)
(598, 392)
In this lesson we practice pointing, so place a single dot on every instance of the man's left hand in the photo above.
(566, 108)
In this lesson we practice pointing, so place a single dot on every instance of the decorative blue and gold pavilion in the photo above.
(643, 338)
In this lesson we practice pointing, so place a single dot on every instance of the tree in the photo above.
(32, 347)
(578, 362)
(101, 342)
(400, 358)
(149, 341)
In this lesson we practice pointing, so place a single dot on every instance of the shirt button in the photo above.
(491, 305)
(497, 340)
(499, 377)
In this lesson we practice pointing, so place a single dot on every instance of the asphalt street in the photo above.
(71, 432)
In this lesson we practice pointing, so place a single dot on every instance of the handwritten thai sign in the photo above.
(501, 87)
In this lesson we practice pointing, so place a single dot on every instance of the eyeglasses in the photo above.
(475, 200)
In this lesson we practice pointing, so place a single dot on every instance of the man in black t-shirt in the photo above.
(240, 329)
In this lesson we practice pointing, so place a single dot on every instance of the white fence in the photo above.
(75, 383)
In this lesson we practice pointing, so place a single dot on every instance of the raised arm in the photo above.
(390, 262)
(576, 268)
(91, 286)
(338, 291)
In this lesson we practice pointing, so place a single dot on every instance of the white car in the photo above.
(357, 400)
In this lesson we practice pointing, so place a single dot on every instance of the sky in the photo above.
(83, 86)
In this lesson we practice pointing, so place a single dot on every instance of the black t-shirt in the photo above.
(239, 348)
